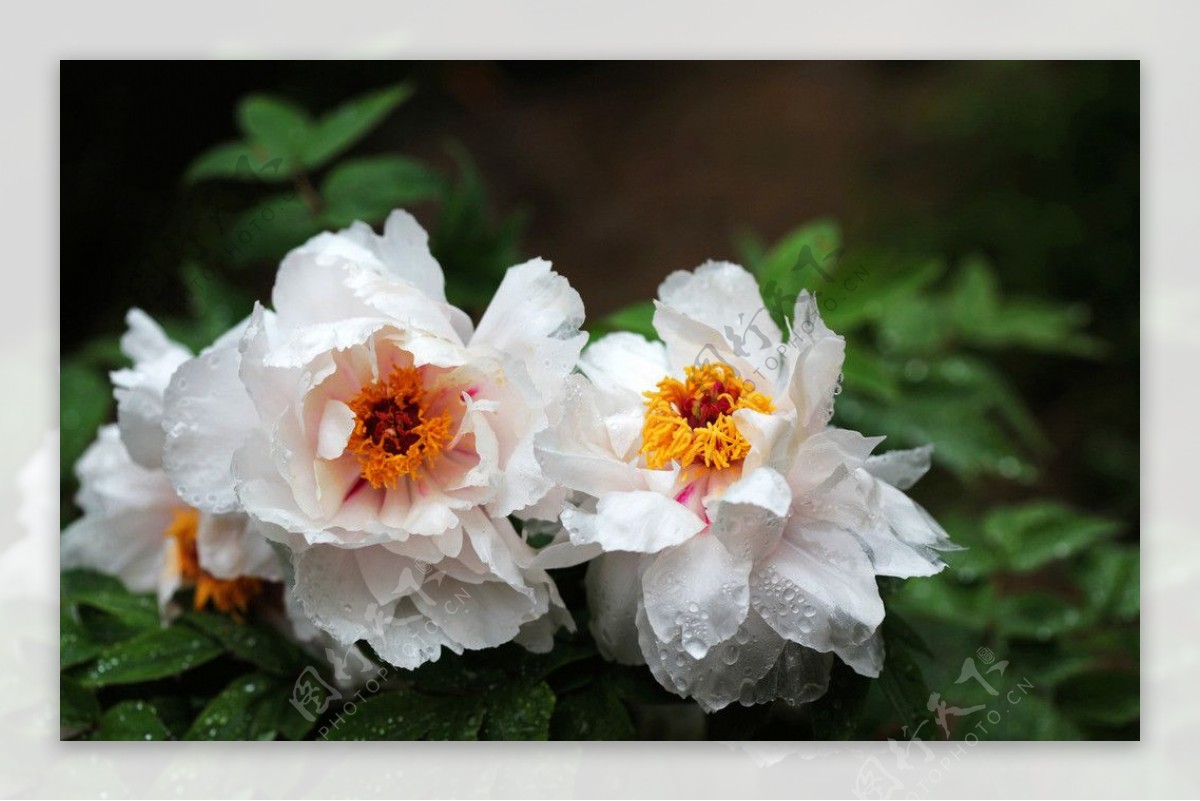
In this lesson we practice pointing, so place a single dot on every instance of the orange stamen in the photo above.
(692, 420)
(394, 433)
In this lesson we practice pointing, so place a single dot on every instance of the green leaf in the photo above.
(77, 706)
(1036, 615)
(901, 680)
(1103, 697)
(459, 719)
(247, 709)
(132, 720)
(110, 595)
(235, 161)
(1034, 534)
(869, 285)
(865, 373)
(595, 712)
(805, 258)
(835, 715)
(150, 655)
(1109, 579)
(215, 304)
(637, 319)
(518, 713)
(474, 251)
(280, 127)
(85, 401)
(945, 599)
(368, 189)
(262, 647)
(269, 229)
(341, 128)
(75, 645)
(395, 715)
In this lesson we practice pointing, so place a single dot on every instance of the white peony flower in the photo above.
(742, 535)
(386, 443)
(134, 525)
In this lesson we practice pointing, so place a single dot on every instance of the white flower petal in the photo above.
(231, 546)
(694, 342)
(749, 517)
(817, 588)
(866, 657)
(903, 468)
(535, 317)
(577, 452)
(127, 544)
(207, 416)
(139, 390)
(816, 367)
(729, 672)
(799, 676)
(337, 424)
(640, 521)
(725, 297)
(625, 362)
(696, 592)
(614, 588)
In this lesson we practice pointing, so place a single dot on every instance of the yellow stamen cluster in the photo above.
(691, 420)
(394, 434)
(230, 596)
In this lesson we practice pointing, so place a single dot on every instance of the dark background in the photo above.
(626, 171)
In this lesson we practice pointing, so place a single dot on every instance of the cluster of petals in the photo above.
(740, 541)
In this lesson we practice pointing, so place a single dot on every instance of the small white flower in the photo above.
(742, 535)
(134, 525)
(386, 443)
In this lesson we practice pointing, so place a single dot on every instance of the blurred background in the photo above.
(976, 225)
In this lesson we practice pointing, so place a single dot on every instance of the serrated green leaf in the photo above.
(1034, 534)
(281, 128)
(247, 709)
(368, 189)
(110, 595)
(154, 654)
(339, 129)
(132, 720)
(518, 712)
(262, 647)
(594, 712)
(77, 706)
